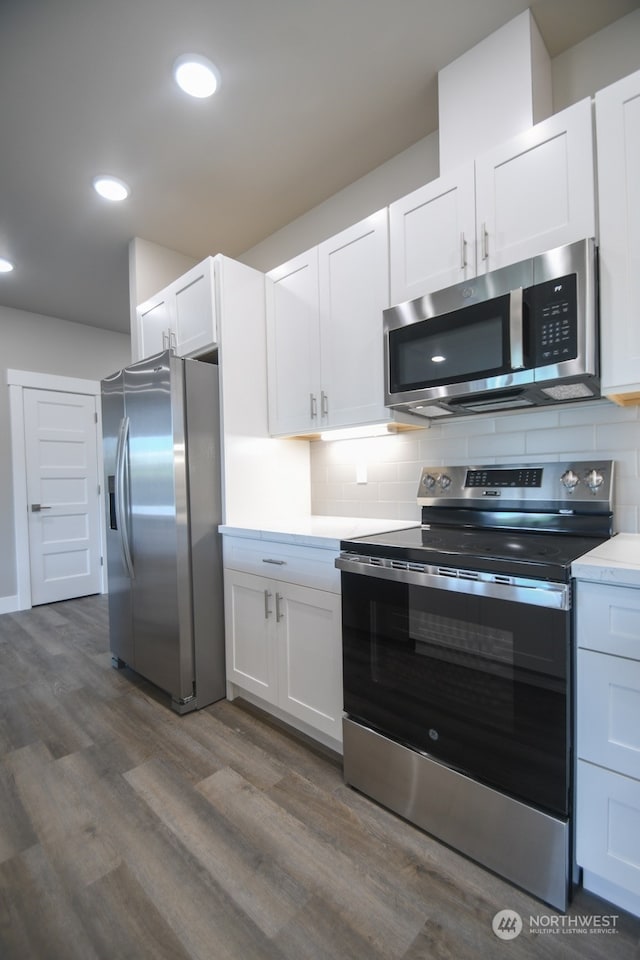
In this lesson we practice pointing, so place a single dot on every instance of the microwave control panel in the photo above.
(553, 312)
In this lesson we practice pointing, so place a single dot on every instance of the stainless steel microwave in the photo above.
(522, 336)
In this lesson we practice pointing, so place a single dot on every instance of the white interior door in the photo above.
(62, 494)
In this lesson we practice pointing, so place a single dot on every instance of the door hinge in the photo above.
(102, 561)
(99, 489)
(95, 416)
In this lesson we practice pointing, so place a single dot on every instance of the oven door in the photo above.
(474, 678)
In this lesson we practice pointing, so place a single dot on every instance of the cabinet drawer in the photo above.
(307, 566)
(608, 619)
(608, 709)
(608, 826)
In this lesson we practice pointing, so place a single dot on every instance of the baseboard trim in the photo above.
(9, 604)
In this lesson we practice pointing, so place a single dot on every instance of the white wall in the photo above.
(403, 173)
(599, 60)
(42, 344)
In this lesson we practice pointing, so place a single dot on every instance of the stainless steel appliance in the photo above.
(458, 660)
(161, 432)
(525, 335)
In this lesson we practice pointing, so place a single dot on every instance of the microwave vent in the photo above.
(568, 391)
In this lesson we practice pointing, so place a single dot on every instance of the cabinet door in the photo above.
(354, 290)
(293, 345)
(608, 826)
(194, 309)
(432, 236)
(608, 708)
(310, 656)
(154, 318)
(536, 191)
(250, 647)
(618, 133)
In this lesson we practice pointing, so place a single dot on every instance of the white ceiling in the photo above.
(314, 94)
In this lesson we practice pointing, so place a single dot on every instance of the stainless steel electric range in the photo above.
(458, 662)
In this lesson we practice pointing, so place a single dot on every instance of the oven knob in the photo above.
(444, 480)
(570, 480)
(429, 481)
(593, 479)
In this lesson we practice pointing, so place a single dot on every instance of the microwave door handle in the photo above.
(516, 336)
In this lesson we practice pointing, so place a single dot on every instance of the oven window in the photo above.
(468, 345)
(478, 683)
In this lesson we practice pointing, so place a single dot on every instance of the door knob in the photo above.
(37, 507)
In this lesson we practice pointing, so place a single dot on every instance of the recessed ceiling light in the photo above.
(196, 75)
(5, 265)
(110, 188)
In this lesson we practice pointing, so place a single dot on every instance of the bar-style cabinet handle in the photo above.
(463, 250)
(313, 406)
(324, 404)
(279, 613)
(267, 612)
(485, 242)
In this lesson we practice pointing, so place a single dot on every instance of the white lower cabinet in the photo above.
(284, 640)
(608, 741)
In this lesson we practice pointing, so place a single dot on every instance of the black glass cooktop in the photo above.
(516, 553)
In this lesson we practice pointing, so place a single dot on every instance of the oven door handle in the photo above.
(556, 596)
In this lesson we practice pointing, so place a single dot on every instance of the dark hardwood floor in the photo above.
(127, 831)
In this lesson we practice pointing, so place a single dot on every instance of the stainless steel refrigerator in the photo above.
(161, 429)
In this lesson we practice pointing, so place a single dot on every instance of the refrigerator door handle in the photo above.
(121, 510)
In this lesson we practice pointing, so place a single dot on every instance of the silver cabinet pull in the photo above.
(313, 405)
(485, 242)
(173, 341)
(165, 339)
(324, 404)
(37, 507)
(463, 250)
(267, 612)
(279, 613)
(279, 563)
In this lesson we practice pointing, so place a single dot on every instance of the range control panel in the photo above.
(562, 485)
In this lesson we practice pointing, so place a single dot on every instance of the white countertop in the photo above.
(316, 531)
(615, 561)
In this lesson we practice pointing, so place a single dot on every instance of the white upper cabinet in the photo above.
(618, 137)
(181, 317)
(152, 323)
(353, 271)
(432, 236)
(194, 305)
(293, 345)
(536, 191)
(324, 332)
(530, 194)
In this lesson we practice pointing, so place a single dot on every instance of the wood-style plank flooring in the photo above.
(127, 831)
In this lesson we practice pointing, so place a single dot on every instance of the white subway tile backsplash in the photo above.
(619, 436)
(443, 449)
(596, 411)
(489, 445)
(564, 440)
(521, 422)
(597, 429)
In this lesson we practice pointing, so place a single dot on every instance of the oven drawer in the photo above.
(307, 566)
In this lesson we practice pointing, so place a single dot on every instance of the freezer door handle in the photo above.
(121, 503)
